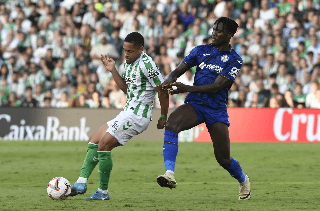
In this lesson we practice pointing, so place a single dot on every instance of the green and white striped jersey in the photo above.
(142, 77)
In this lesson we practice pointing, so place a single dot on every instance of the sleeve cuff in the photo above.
(226, 77)
(187, 64)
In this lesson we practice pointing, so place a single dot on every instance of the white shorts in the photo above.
(126, 125)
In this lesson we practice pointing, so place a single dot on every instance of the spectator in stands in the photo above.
(39, 95)
(299, 98)
(58, 90)
(94, 100)
(107, 48)
(13, 101)
(307, 83)
(271, 66)
(105, 102)
(255, 47)
(73, 96)
(115, 95)
(153, 30)
(288, 96)
(29, 101)
(117, 41)
(245, 75)
(36, 76)
(312, 100)
(46, 102)
(81, 55)
(17, 85)
(187, 18)
(64, 101)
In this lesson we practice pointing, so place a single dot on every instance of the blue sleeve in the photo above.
(232, 70)
(191, 58)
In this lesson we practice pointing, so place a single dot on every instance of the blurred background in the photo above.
(50, 50)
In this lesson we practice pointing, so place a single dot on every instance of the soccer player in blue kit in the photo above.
(217, 67)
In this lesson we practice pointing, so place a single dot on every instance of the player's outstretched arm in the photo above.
(220, 83)
(164, 103)
(109, 64)
(175, 74)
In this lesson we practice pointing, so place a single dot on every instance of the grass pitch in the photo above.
(284, 176)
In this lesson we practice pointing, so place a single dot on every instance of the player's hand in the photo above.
(167, 83)
(108, 63)
(177, 88)
(161, 123)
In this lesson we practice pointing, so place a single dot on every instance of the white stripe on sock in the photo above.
(93, 143)
(103, 191)
(82, 180)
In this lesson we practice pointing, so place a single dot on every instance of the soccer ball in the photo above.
(59, 188)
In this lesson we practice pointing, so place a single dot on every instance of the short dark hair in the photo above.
(28, 88)
(136, 38)
(228, 24)
(274, 86)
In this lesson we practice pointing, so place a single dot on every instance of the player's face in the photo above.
(220, 35)
(131, 52)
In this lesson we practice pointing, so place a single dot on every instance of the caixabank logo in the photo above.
(21, 129)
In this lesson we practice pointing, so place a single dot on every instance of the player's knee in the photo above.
(173, 125)
(107, 144)
(91, 140)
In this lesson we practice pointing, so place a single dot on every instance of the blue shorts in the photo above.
(210, 115)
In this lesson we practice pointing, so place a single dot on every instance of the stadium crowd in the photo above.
(50, 50)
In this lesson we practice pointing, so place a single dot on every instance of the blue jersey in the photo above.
(210, 63)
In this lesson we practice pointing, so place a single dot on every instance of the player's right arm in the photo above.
(189, 61)
(109, 64)
(174, 75)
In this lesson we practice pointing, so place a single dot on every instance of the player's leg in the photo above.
(121, 130)
(90, 161)
(182, 118)
(220, 137)
(105, 145)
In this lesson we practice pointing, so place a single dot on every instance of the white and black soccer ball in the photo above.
(59, 188)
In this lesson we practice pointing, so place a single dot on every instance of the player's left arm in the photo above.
(224, 79)
(152, 72)
(164, 103)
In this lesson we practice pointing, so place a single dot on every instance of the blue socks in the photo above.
(170, 149)
(235, 171)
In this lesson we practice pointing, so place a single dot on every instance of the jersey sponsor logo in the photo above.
(131, 80)
(152, 73)
(234, 72)
(206, 54)
(224, 58)
(211, 67)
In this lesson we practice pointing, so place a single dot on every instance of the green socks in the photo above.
(105, 167)
(90, 161)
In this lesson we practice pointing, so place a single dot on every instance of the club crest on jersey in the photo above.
(224, 58)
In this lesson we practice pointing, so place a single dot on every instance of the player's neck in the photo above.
(223, 47)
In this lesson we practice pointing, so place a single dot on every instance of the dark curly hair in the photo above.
(228, 24)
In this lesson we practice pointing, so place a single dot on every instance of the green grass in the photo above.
(283, 177)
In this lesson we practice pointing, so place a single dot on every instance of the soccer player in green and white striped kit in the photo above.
(140, 82)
